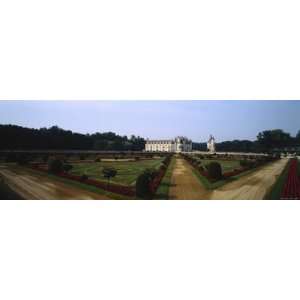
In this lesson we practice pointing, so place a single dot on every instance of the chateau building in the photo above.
(179, 144)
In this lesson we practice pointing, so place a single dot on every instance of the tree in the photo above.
(214, 170)
(298, 137)
(23, 159)
(11, 157)
(21, 138)
(67, 168)
(276, 138)
(108, 173)
(55, 166)
(45, 158)
(84, 177)
(143, 190)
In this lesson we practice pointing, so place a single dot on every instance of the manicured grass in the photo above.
(276, 189)
(162, 192)
(128, 171)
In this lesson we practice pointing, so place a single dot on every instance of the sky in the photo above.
(226, 120)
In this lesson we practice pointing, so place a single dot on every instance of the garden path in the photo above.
(185, 184)
(252, 186)
(36, 186)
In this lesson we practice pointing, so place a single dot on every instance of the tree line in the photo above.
(266, 141)
(54, 138)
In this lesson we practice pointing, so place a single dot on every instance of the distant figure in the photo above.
(211, 144)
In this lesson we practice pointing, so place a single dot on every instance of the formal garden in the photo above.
(216, 170)
(133, 176)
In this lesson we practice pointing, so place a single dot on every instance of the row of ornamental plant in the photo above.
(291, 188)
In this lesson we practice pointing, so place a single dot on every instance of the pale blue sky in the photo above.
(226, 120)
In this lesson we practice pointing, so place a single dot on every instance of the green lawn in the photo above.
(128, 171)
(162, 192)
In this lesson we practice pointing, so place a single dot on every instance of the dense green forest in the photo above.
(54, 138)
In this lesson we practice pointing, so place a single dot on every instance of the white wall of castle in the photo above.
(167, 146)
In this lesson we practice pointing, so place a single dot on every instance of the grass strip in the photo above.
(162, 192)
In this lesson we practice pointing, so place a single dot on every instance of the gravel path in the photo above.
(184, 184)
(253, 186)
(35, 186)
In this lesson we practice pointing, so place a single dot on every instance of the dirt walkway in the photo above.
(184, 184)
(37, 186)
(253, 186)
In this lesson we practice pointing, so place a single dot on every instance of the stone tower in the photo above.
(211, 144)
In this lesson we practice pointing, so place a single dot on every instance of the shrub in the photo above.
(243, 163)
(109, 173)
(142, 186)
(55, 166)
(163, 167)
(45, 158)
(247, 163)
(201, 168)
(11, 157)
(23, 159)
(98, 159)
(137, 158)
(84, 177)
(82, 157)
(214, 170)
(67, 168)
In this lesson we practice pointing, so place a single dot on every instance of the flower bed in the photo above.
(291, 188)
(112, 187)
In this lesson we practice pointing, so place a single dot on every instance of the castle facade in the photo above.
(179, 144)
